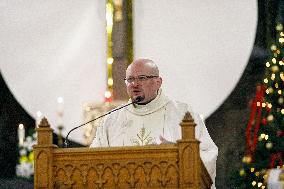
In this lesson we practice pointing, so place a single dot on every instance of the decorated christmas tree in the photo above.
(265, 129)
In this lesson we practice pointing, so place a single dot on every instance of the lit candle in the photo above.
(60, 107)
(38, 118)
(21, 134)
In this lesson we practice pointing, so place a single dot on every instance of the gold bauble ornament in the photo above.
(275, 68)
(242, 172)
(280, 100)
(270, 117)
(268, 145)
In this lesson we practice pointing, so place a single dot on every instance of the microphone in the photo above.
(138, 99)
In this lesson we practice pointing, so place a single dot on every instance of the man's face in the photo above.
(146, 87)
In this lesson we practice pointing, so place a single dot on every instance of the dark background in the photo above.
(226, 125)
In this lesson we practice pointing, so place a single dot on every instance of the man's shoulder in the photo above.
(178, 104)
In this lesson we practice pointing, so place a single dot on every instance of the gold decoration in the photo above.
(275, 68)
(273, 47)
(268, 145)
(270, 117)
(280, 100)
(279, 27)
(144, 138)
(109, 28)
(282, 76)
(242, 172)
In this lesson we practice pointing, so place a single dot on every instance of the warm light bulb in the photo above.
(259, 184)
(267, 64)
(110, 81)
(107, 94)
(282, 76)
(274, 60)
(252, 169)
(110, 60)
(279, 92)
(253, 183)
(272, 76)
(265, 80)
(282, 111)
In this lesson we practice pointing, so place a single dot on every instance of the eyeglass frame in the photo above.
(141, 79)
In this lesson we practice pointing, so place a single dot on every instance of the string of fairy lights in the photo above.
(113, 14)
(109, 28)
(275, 81)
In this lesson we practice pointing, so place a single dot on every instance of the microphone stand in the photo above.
(66, 142)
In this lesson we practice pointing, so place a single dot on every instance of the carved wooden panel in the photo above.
(155, 166)
(131, 174)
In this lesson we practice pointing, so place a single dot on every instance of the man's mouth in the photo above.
(136, 91)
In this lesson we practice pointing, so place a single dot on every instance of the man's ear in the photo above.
(160, 81)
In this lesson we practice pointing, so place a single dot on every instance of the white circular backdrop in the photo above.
(201, 47)
(51, 49)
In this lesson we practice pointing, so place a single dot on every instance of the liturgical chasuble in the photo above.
(144, 124)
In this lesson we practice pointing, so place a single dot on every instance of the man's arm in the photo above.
(208, 149)
(100, 139)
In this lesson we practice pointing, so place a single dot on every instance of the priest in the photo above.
(154, 119)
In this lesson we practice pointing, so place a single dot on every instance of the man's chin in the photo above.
(134, 97)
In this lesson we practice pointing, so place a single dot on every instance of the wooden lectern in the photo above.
(154, 166)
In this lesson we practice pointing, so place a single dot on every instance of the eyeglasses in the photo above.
(139, 78)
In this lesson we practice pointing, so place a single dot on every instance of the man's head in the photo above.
(142, 79)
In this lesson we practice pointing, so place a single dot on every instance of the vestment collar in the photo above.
(159, 102)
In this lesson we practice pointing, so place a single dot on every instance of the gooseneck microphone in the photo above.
(138, 99)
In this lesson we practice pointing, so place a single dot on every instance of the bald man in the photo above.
(156, 117)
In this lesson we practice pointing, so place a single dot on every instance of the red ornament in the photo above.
(268, 109)
(264, 121)
(279, 133)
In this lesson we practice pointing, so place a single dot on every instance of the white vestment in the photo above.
(144, 124)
